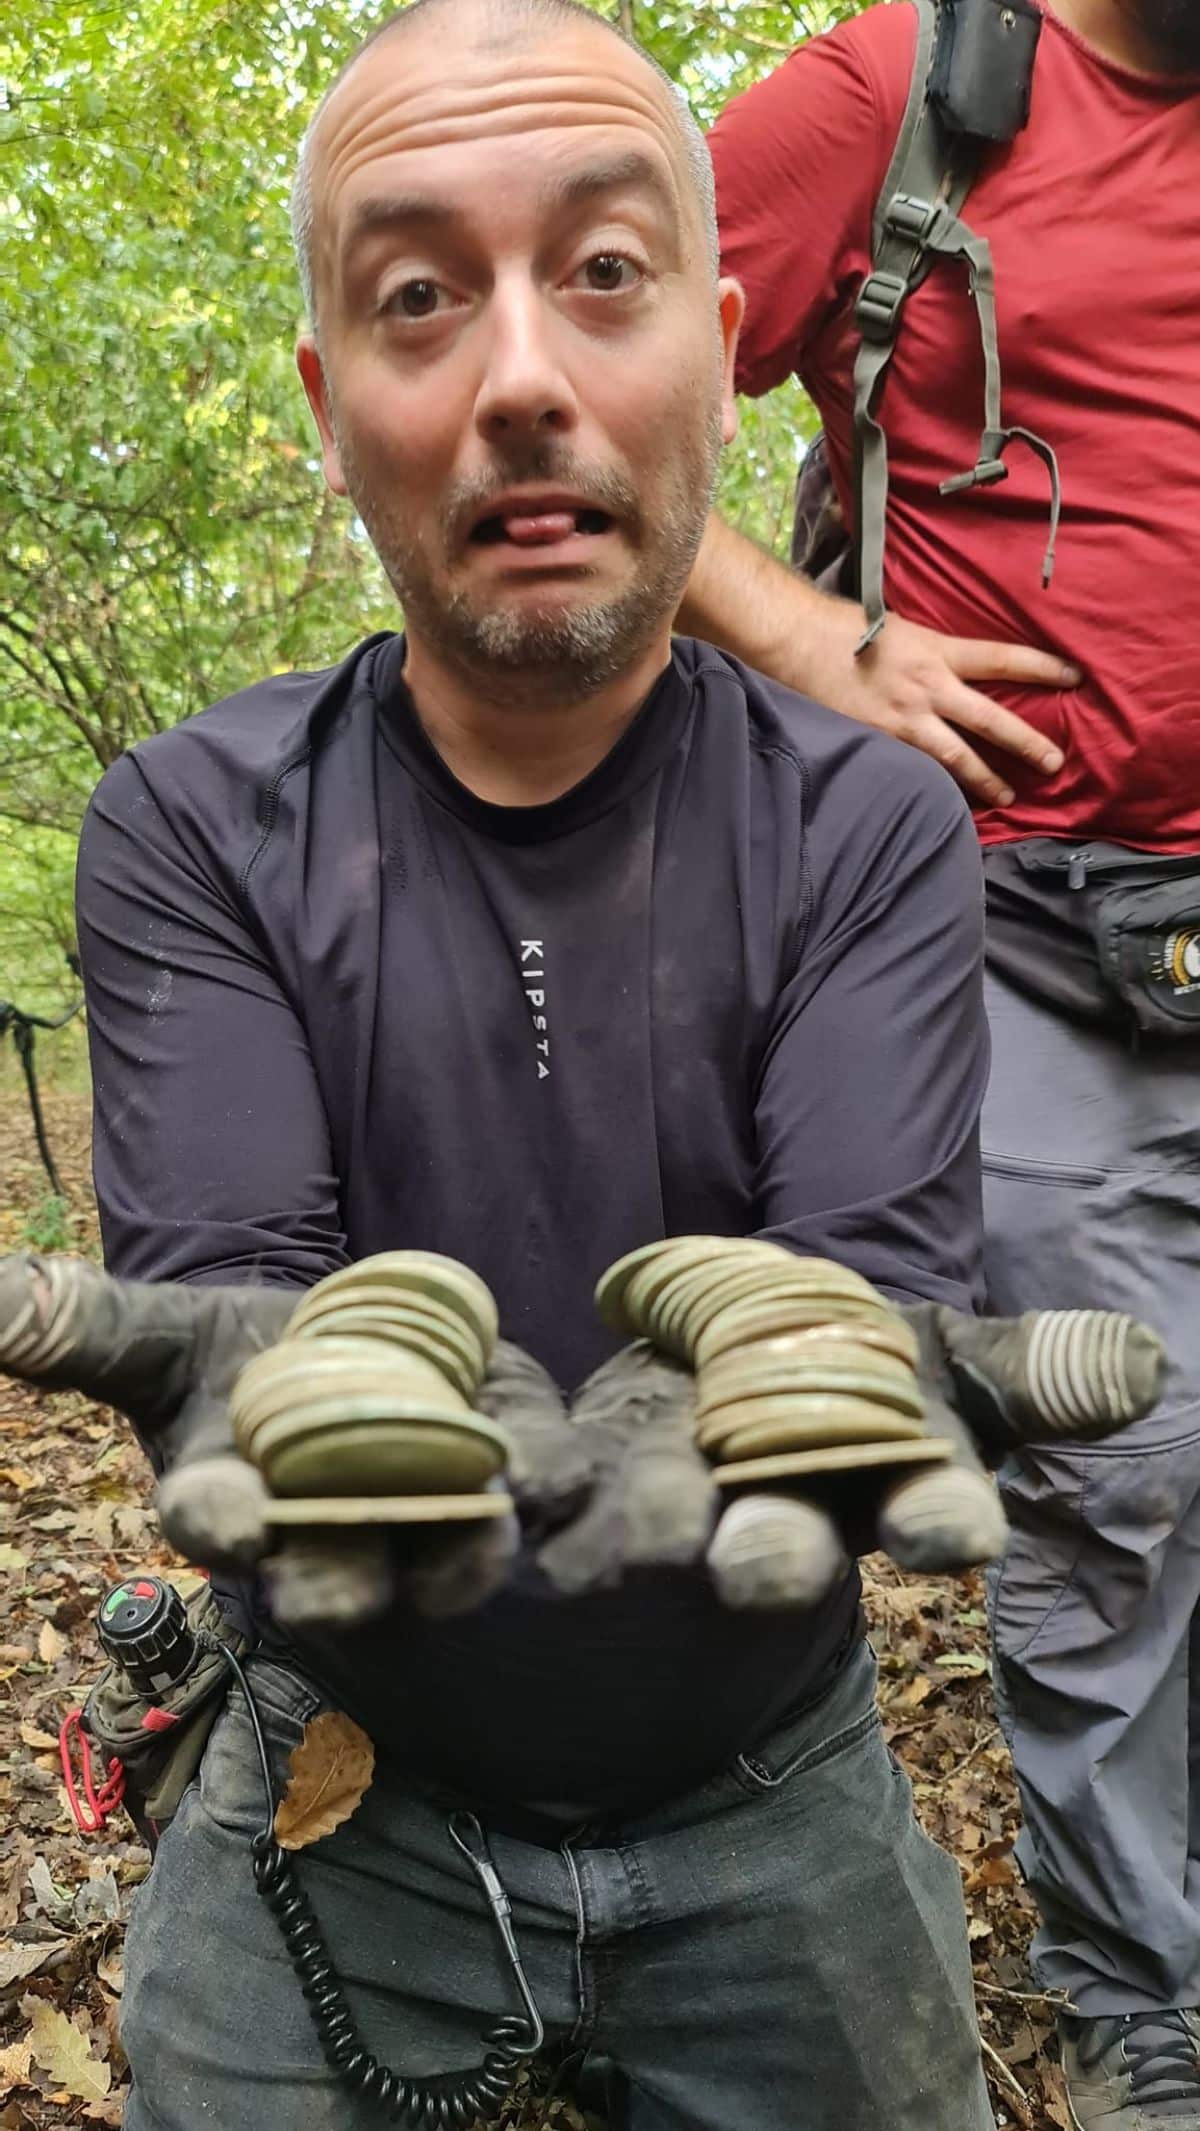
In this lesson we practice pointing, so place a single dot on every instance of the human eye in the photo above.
(416, 298)
(609, 273)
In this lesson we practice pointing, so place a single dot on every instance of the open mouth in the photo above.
(533, 527)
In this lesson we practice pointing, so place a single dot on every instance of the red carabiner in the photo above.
(101, 1801)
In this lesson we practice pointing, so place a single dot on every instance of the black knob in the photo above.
(144, 1628)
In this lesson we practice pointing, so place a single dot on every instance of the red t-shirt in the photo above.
(1093, 216)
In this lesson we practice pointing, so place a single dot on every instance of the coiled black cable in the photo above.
(452, 2100)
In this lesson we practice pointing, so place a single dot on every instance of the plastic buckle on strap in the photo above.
(985, 475)
(915, 220)
(880, 302)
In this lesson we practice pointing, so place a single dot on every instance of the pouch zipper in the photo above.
(1016, 1165)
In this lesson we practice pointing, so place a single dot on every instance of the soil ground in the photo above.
(75, 1516)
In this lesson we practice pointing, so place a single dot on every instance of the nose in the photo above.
(525, 388)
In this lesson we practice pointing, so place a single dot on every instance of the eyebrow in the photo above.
(627, 172)
(631, 171)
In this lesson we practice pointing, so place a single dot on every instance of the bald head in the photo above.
(501, 23)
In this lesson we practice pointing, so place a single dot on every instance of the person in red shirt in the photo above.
(1071, 716)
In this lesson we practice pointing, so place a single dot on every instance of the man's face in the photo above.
(523, 379)
(1173, 28)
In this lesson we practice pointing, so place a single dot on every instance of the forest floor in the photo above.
(75, 1516)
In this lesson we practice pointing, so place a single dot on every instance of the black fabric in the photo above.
(729, 983)
(1104, 933)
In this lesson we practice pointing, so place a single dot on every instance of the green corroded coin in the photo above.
(672, 1254)
(787, 1328)
(317, 1512)
(346, 1412)
(258, 1441)
(384, 1457)
(818, 1421)
(299, 1370)
(800, 1468)
(451, 1347)
(782, 1303)
(748, 1372)
(764, 1439)
(404, 1276)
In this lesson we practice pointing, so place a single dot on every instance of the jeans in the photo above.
(1091, 1156)
(782, 1949)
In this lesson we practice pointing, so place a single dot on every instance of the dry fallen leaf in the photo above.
(16, 1962)
(329, 1774)
(33, 1735)
(51, 1645)
(60, 2049)
(56, 1902)
(14, 2065)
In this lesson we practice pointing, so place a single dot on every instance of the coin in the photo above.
(324, 1411)
(791, 1465)
(764, 1438)
(280, 1380)
(385, 1457)
(795, 1298)
(817, 1419)
(454, 1349)
(260, 1437)
(739, 1379)
(783, 1324)
(320, 1307)
(404, 1274)
(319, 1511)
(683, 1250)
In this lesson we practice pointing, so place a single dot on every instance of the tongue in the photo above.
(540, 532)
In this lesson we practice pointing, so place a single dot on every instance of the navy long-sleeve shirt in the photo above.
(338, 1004)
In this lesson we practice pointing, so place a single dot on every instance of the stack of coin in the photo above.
(801, 1365)
(368, 1395)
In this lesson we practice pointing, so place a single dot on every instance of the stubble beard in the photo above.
(1173, 27)
(523, 654)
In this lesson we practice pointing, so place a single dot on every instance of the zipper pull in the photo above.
(1077, 870)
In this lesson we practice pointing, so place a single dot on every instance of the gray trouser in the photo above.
(1092, 1196)
(782, 1949)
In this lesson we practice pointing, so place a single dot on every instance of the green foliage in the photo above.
(164, 535)
(47, 1225)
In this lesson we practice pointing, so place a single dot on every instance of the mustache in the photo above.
(551, 464)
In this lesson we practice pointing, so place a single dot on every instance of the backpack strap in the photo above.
(916, 219)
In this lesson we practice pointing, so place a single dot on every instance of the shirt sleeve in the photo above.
(800, 159)
(874, 1073)
(211, 1147)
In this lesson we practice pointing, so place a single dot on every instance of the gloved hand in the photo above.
(618, 1486)
(168, 1355)
(989, 1385)
(992, 1384)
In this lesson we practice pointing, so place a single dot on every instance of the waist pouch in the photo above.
(159, 1744)
(1107, 934)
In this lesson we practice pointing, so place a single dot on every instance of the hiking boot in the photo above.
(1133, 2071)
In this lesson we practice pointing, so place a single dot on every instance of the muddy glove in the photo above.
(651, 1501)
(993, 1384)
(166, 1356)
(990, 1385)
(446, 1570)
(838, 1409)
